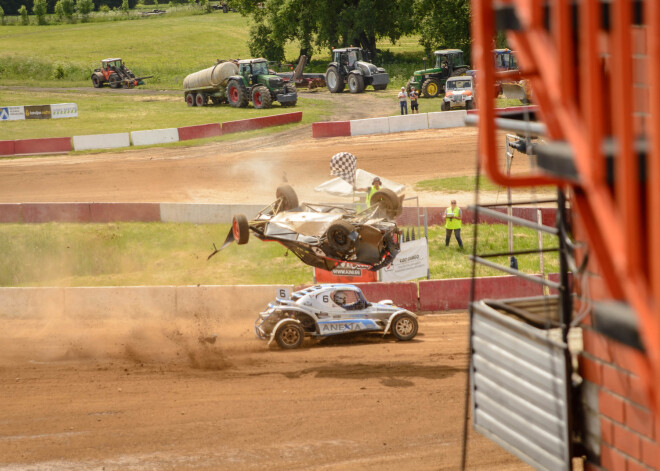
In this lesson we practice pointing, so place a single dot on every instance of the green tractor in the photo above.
(431, 82)
(255, 83)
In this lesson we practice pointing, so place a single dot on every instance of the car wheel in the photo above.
(288, 197)
(388, 200)
(338, 236)
(444, 106)
(430, 88)
(470, 105)
(356, 83)
(241, 229)
(290, 335)
(333, 80)
(404, 327)
(190, 99)
(96, 82)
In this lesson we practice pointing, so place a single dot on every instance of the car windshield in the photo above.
(259, 68)
(458, 84)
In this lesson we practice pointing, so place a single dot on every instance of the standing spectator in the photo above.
(375, 186)
(414, 107)
(403, 100)
(453, 222)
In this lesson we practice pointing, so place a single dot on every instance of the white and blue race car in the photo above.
(327, 310)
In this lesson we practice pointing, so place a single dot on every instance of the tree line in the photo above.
(320, 24)
(12, 7)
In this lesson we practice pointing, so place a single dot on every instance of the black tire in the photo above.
(387, 200)
(288, 196)
(201, 99)
(114, 81)
(404, 327)
(356, 83)
(190, 99)
(409, 84)
(96, 81)
(290, 88)
(459, 72)
(445, 106)
(470, 105)
(338, 239)
(241, 229)
(237, 94)
(261, 97)
(431, 88)
(290, 335)
(217, 101)
(380, 87)
(334, 80)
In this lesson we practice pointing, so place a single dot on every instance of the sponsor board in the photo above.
(412, 262)
(37, 111)
(11, 113)
(64, 110)
(346, 273)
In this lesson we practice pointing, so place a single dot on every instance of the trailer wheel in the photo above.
(237, 94)
(334, 80)
(190, 99)
(261, 97)
(201, 99)
(96, 82)
(356, 83)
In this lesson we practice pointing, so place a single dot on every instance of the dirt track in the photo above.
(137, 394)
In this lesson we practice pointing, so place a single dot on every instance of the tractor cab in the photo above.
(348, 56)
(504, 59)
(108, 66)
(252, 69)
(448, 60)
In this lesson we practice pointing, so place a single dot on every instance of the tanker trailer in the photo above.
(208, 84)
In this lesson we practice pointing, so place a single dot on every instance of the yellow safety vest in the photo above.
(370, 192)
(456, 222)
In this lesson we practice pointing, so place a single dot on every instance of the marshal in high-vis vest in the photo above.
(453, 223)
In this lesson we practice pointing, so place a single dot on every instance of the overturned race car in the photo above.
(327, 310)
(323, 236)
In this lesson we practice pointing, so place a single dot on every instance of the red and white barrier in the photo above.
(54, 145)
(134, 212)
(154, 136)
(360, 127)
(331, 129)
(259, 123)
(7, 148)
(200, 131)
(447, 119)
(408, 122)
(49, 212)
(101, 141)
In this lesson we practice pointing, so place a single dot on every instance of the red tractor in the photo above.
(116, 74)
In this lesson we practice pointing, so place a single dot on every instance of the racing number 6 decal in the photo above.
(326, 299)
(283, 293)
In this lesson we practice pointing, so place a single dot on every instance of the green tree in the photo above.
(2, 16)
(39, 10)
(84, 8)
(443, 24)
(24, 15)
(64, 9)
(124, 6)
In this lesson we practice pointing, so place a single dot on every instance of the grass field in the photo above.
(128, 254)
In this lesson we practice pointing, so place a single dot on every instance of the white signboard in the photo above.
(64, 110)
(11, 113)
(411, 262)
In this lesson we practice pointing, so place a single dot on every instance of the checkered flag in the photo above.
(343, 166)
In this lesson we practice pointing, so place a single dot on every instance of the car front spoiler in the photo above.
(230, 238)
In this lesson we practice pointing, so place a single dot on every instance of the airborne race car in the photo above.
(328, 310)
(323, 235)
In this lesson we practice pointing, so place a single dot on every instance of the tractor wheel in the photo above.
(431, 88)
(388, 200)
(445, 106)
(288, 197)
(261, 97)
(334, 81)
(338, 236)
(380, 87)
(356, 83)
(404, 327)
(409, 84)
(190, 99)
(201, 99)
(459, 72)
(115, 81)
(237, 94)
(96, 81)
(241, 229)
(290, 335)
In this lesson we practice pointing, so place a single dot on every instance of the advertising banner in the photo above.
(37, 111)
(64, 110)
(346, 273)
(11, 113)
(412, 262)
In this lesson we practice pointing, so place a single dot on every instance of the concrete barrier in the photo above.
(200, 131)
(58, 212)
(402, 294)
(408, 122)
(360, 127)
(447, 295)
(259, 123)
(31, 303)
(331, 129)
(111, 212)
(447, 119)
(206, 213)
(154, 136)
(7, 148)
(11, 213)
(54, 145)
(101, 141)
